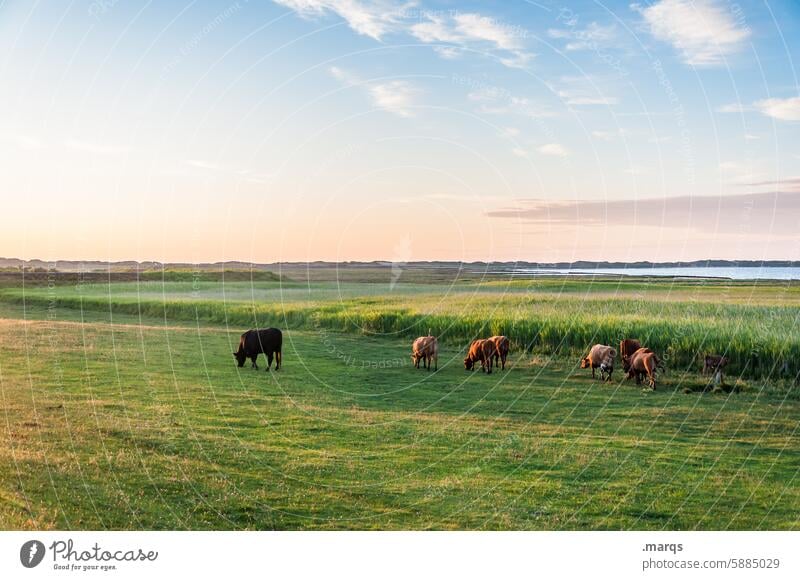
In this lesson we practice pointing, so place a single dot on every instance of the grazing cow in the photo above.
(254, 342)
(602, 357)
(643, 362)
(483, 351)
(426, 349)
(626, 348)
(714, 363)
(501, 345)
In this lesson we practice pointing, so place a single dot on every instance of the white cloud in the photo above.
(703, 31)
(373, 18)
(396, 97)
(448, 52)
(477, 32)
(553, 149)
(782, 109)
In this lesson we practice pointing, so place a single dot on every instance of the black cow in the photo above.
(254, 342)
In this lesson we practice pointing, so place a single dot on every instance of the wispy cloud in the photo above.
(704, 32)
(589, 38)
(587, 90)
(95, 148)
(733, 108)
(395, 96)
(373, 18)
(553, 149)
(477, 32)
(770, 213)
(781, 109)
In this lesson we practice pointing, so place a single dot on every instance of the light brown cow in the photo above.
(426, 349)
(602, 357)
(643, 362)
(501, 345)
(483, 351)
(626, 348)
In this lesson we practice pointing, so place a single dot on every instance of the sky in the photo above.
(300, 130)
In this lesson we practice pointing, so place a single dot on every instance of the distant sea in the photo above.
(732, 273)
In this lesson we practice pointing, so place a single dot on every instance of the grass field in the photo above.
(123, 408)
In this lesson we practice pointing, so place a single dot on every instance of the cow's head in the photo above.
(240, 357)
(585, 362)
(469, 364)
(626, 363)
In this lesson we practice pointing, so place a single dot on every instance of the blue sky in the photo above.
(358, 129)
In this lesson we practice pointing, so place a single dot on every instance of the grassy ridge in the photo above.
(757, 327)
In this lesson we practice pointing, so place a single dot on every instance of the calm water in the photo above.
(694, 272)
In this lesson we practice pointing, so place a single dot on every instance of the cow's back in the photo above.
(263, 340)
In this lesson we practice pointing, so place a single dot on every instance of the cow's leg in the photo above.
(278, 359)
(593, 373)
(269, 359)
(428, 360)
(253, 358)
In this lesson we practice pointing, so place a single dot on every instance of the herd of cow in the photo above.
(637, 361)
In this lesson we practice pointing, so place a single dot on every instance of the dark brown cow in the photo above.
(426, 349)
(626, 348)
(643, 362)
(483, 351)
(501, 345)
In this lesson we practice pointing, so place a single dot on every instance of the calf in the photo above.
(713, 363)
(602, 357)
(426, 349)
(483, 351)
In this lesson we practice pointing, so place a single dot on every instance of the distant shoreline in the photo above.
(497, 267)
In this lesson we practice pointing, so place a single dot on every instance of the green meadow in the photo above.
(123, 407)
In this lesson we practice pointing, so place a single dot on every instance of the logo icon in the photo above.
(32, 553)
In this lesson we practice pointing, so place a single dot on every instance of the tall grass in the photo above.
(761, 341)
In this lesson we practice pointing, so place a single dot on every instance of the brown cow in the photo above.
(483, 351)
(426, 349)
(501, 345)
(602, 357)
(643, 362)
(626, 348)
